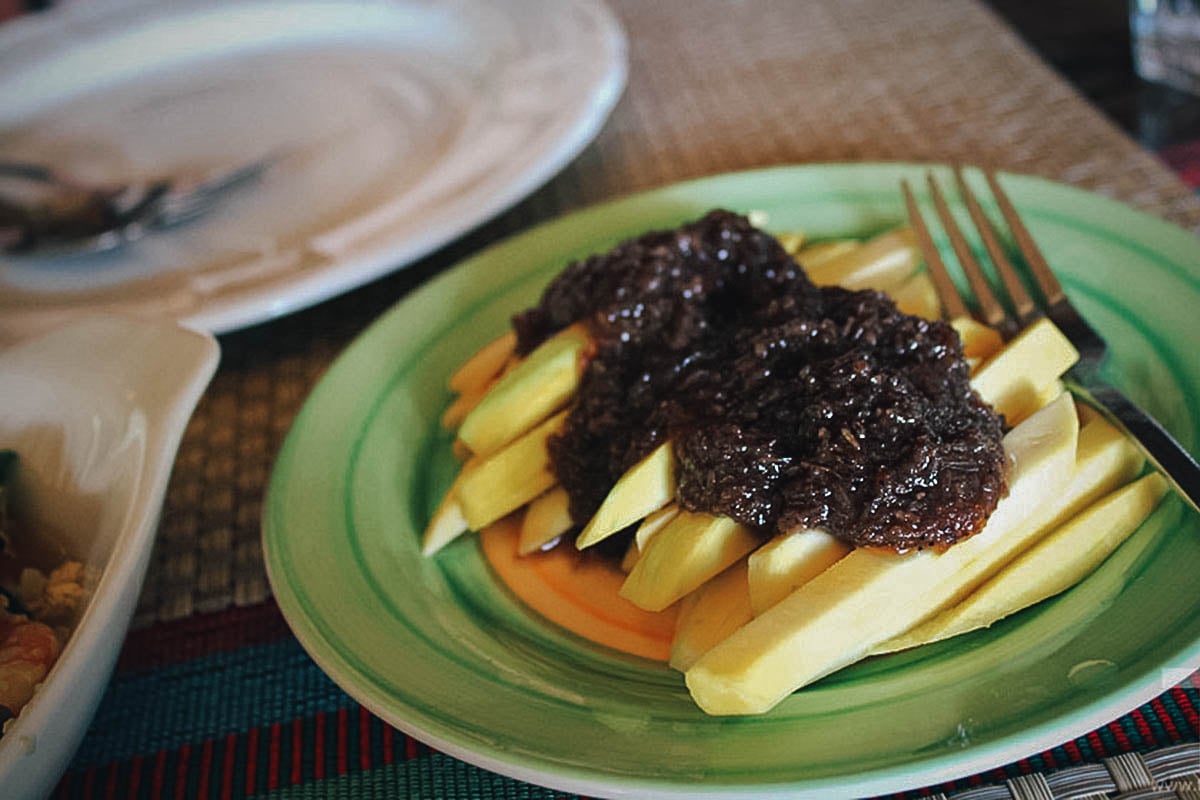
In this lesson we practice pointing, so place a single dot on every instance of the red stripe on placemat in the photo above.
(181, 770)
(206, 762)
(389, 756)
(1073, 752)
(410, 747)
(343, 734)
(1118, 733)
(1164, 717)
(202, 634)
(1184, 702)
(135, 775)
(1143, 727)
(227, 765)
(251, 760)
(319, 746)
(158, 779)
(273, 757)
(364, 739)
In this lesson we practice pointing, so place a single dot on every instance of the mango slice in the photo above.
(787, 562)
(1012, 380)
(485, 364)
(791, 242)
(818, 253)
(645, 487)
(1055, 563)
(446, 525)
(447, 522)
(652, 524)
(979, 341)
(678, 559)
(534, 389)
(510, 478)
(868, 597)
(547, 517)
(457, 411)
(1104, 460)
(918, 296)
(632, 554)
(882, 262)
(1048, 394)
(710, 614)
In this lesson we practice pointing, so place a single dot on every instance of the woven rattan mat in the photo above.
(714, 86)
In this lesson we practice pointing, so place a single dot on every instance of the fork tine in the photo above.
(990, 310)
(1046, 281)
(190, 199)
(952, 303)
(1022, 303)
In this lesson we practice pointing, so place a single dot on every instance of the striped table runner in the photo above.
(227, 705)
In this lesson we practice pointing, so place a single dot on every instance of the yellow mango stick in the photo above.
(535, 388)
(678, 559)
(1052, 565)
(547, 517)
(484, 365)
(645, 487)
(709, 614)
(510, 478)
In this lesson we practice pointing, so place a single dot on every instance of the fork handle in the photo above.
(1163, 451)
(27, 170)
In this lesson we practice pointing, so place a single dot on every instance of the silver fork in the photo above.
(74, 218)
(1084, 379)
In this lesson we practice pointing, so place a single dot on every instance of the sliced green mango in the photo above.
(534, 389)
(678, 559)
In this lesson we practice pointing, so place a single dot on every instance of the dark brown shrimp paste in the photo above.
(788, 405)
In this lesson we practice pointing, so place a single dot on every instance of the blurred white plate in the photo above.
(96, 437)
(397, 125)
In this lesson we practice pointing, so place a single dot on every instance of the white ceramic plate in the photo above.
(394, 125)
(96, 436)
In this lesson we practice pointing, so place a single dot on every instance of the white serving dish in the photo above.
(96, 410)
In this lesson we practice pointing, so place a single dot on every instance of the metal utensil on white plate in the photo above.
(52, 213)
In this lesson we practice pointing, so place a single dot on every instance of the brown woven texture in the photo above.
(714, 86)
(1170, 773)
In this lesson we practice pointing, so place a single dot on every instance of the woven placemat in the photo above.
(711, 89)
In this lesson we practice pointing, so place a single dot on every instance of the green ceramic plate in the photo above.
(438, 648)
